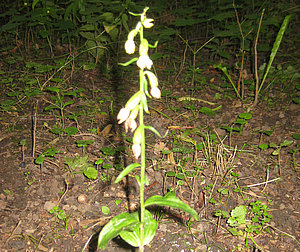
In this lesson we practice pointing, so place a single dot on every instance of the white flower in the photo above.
(134, 100)
(152, 78)
(144, 46)
(123, 115)
(148, 23)
(129, 46)
(144, 62)
(155, 92)
(136, 149)
(130, 124)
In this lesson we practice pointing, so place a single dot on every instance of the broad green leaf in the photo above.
(207, 111)
(245, 116)
(71, 131)
(263, 146)
(133, 236)
(235, 232)
(240, 121)
(286, 143)
(170, 174)
(91, 173)
(296, 136)
(171, 200)
(126, 171)
(238, 216)
(114, 227)
(40, 159)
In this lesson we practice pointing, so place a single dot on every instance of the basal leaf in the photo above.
(114, 227)
(171, 200)
(132, 236)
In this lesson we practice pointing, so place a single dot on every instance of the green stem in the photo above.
(143, 158)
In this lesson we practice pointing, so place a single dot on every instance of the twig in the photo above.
(182, 62)
(255, 61)
(34, 122)
(13, 232)
(262, 183)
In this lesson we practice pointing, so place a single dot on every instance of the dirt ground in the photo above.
(29, 190)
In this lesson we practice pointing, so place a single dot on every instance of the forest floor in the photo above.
(213, 168)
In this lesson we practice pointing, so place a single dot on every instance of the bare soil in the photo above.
(25, 200)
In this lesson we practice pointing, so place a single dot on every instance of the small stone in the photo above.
(82, 199)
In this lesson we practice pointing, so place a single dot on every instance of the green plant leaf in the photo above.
(40, 159)
(235, 232)
(296, 136)
(207, 111)
(107, 166)
(109, 151)
(114, 227)
(133, 236)
(171, 200)
(275, 48)
(171, 174)
(105, 210)
(71, 131)
(91, 173)
(238, 216)
(263, 146)
(245, 116)
(126, 171)
(83, 143)
(276, 152)
(128, 62)
(286, 143)
(153, 130)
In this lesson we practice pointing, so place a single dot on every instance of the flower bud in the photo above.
(138, 26)
(136, 149)
(134, 113)
(152, 79)
(132, 34)
(129, 46)
(123, 115)
(137, 137)
(130, 124)
(143, 50)
(134, 101)
(148, 23)
(155, 92)
(144, 62)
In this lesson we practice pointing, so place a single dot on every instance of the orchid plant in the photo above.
(138, 228)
